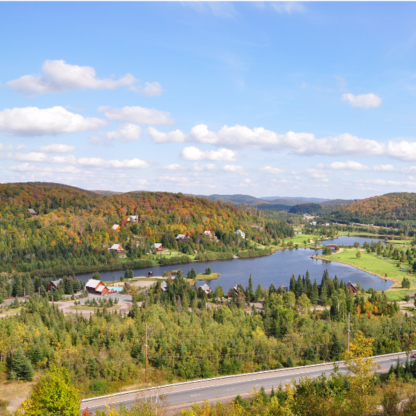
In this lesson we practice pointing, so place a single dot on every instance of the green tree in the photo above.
(358, 255)
(20, 366)
(54, 395)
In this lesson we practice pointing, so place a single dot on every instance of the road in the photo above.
(226, 388)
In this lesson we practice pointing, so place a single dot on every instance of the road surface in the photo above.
(225, 389)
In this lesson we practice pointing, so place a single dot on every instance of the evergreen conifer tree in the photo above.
(20, 366)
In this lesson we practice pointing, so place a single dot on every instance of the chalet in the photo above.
(352, 288)
(164, 287)
(115, 227)
(96, 287)
(53, 285)
(205, 288)
(158, 247)
(209, 234)
(282, 289)
(182, 237)
(242, 233)
(234, 290)
(32, 212)
(117, 248)
(149, 274)
(133, 218)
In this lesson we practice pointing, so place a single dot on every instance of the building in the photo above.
(182, 237)
(53, 285)
(164, 287)
(115, 227)
(312, 223)
(158, 247)
(308, 217)
(96, 287)
(209, 234)
(282, 289)
(116, 247)
(133, 218)
(352, 288)
(233, 290)
(32, 212)
(205, 288)
(242, 233)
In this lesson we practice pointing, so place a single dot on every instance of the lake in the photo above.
(349, 241)
(276, 268)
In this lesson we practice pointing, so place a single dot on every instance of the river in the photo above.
(276, 268)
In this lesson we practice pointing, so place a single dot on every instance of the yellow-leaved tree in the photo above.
(54, 395)
(361, 371)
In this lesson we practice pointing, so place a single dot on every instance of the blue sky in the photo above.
(267, 99)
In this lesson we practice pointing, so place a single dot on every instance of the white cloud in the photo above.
(288, 7)
(193, 153)
(138, 115)
(57, 148)
(60, 76)
(403, 150)
(349, 165)
(42, 157)
(176, 136)
(317, 174)
(10, 147)
(116, 164)
(27, 167)
(33, 121)
(210, 167)
(150, 89)
(258, 137)
(384, 168)
(271, 171)
(179, 179)
(173, 167)
(363, 101)
(127, 132)
(234, 169)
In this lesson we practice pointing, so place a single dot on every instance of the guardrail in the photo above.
(231, 376)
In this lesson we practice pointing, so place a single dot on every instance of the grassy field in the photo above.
(379, 266)
(10, 311)
(203, 276)
(93, 308)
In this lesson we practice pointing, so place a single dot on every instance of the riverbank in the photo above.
(378, 266)
(206, 277)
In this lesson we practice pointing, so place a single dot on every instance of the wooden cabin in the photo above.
(116, 247)
(53, 285)
(96, 287)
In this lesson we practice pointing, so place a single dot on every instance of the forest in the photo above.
(72, 229)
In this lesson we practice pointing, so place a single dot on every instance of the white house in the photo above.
(116, 247)
(182, 237)
(115, 227)
(242, 233)
(133, 218)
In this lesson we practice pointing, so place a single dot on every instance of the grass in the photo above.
(10, 390)
(11, 311)
(93, 308)
(203, 276)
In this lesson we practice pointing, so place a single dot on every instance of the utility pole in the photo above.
(349, 316)
(146, 356)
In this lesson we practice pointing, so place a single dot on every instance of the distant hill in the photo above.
(107, 193)
(310, 208)
(274, 207)
(294, 200)
(246, 199)
(393, 206)
(333, 202)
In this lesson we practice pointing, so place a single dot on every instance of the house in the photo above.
(115, 227)
(327, 224)
(209, 234)
(234, 290)
(158, 247)
(53, 285)
(282, 289)
(164, 287)
(352, 288)
(133, 218)
(32, 212)
(182, 237)
(205, 288)
(242, 233)
(308, 217)
(312, 223)
(116, 247)
(149, 274)
(96, 287)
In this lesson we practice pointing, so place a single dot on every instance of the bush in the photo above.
(99, 386)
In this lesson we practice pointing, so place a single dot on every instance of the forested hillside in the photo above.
(74, 228)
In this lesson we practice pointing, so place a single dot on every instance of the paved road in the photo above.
(223, 389)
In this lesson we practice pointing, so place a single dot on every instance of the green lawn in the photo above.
(373, 264)
(203, 276)
(93, 308)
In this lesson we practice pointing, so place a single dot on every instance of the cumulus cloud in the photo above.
(272, 171)
(288, 7)
(403, 150)
(173, 167)
(317, 174)
(150, 89)
(127, 132)
(222, 154)
(33, 121)
(210, 167)
(176, 136)
(259, 138)
(57, 148)
(349, 165)
(235, 169)
(27, 167)
(10, 147)
(58, 76)
(138, 115)
(180, 179)
(363, 101)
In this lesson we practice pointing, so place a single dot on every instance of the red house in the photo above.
(32, 212)
(352, 288)
(96, 287)
(53, 285)
(159, 247)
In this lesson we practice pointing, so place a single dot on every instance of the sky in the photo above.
(259, 98)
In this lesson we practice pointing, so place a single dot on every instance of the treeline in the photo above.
(74, 228)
